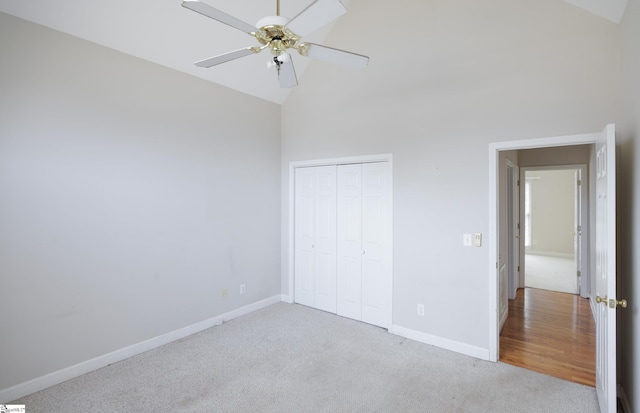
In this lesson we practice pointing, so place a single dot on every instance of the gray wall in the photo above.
(445, 80)
(130, 196)
(629, 205)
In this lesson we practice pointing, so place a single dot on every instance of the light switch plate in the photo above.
(477, 239)
(466, 240)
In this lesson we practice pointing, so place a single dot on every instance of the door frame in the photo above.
(513, 229)
(581, 206)
(493, 277)
(290, 276)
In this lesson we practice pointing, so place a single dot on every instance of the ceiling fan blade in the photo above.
(287, 75)
(216, 60)
(218, 15)
(331, 55)
(317, 14)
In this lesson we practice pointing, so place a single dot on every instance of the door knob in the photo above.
(622, 303)
(612, 303)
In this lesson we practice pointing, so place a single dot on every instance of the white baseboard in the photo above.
(20, 390)
(286, 298)
(626, 406)
(250, 308)
(458, 347)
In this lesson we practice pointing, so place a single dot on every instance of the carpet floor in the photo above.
(290, 358)
(551, 273)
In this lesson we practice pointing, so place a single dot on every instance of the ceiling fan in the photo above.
(279, 34)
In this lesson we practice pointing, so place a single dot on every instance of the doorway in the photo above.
(555, 223)
(530, 153)
(548, 328)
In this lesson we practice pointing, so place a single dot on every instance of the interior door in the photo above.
(577, 225)
(304, 252)
(364, 237)
(325, 239)
(513, 228)
(350, 241)
(315, 237)
(376, 239)
(606, 270)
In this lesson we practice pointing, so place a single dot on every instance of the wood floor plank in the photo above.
(551, 333)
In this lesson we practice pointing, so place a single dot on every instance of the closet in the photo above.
(342, 237)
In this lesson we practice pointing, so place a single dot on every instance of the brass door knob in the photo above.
(612, 303)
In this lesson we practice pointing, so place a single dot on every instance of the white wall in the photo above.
(445, 80)
(629, 206)
(552, 197)
(130, 196)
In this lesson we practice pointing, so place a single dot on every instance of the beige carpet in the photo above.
(551, 273)
(290, 358)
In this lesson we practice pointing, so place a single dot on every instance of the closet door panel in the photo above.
(325, 238)
(349, 241)
(376, 237)
(304, 259)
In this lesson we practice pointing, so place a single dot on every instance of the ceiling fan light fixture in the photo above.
(272, 21)
(284, 57)
(280, 34)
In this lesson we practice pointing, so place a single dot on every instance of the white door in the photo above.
(315, 237)
(364, 240)
(350, 241)
(376, 241)
(606, 270)
(513, 228)
(304, 261)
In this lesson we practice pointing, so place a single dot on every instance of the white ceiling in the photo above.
(609, 9)
(163, 32)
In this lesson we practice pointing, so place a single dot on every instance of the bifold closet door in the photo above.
(315, 237)
(363, 242)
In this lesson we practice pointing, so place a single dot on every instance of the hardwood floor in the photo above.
(551, 333)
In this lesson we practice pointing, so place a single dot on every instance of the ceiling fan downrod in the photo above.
(277, 7)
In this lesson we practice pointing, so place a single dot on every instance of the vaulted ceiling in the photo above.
(163, 32)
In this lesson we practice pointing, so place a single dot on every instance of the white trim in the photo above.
(247, 309)
(40, 383)
(494, 152)
(387, 157)
(451, 345)
(626, 406)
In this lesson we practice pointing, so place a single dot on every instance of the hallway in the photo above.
(551, 333)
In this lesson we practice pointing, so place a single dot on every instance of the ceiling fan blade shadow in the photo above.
(336, 56)
(218, 15)
(216, 60)
(287, 75)
(317, 14)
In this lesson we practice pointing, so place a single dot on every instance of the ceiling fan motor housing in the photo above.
(273, 32)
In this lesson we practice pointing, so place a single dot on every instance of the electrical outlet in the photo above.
(477, 239)
(243, 288)
(421, 309)
(223, 294)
